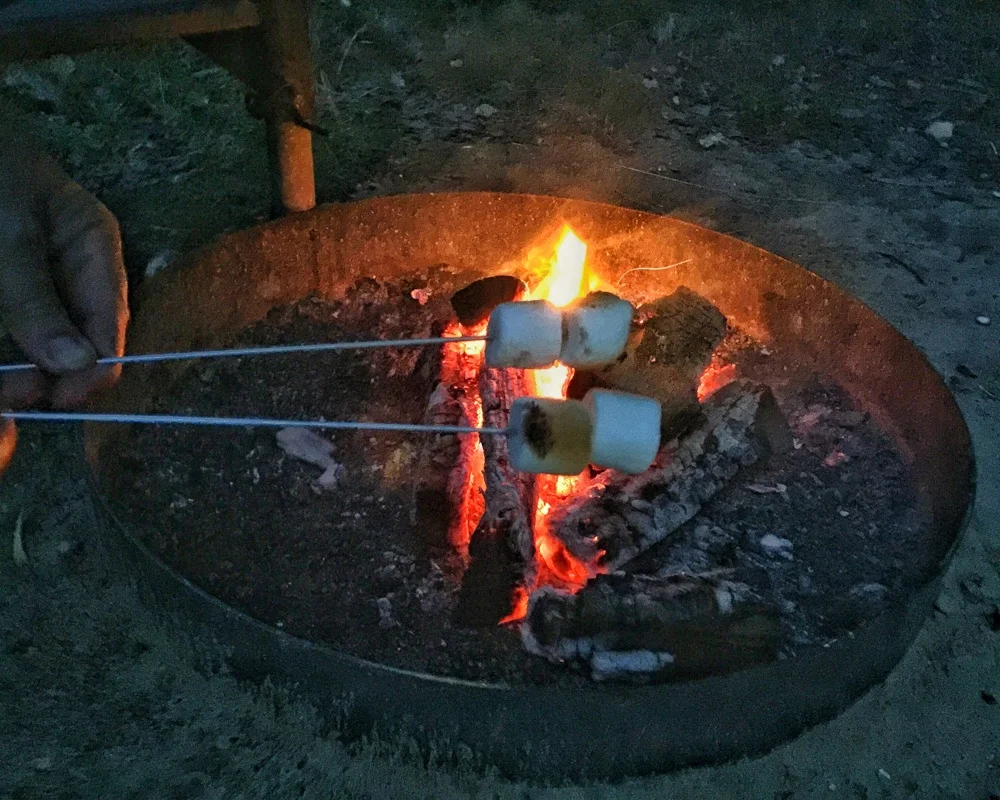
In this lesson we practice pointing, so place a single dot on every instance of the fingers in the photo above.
(90, 276)
(89, 272)
(8, 441)
(29, 303)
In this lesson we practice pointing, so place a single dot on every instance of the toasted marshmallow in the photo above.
(549, 436)
(524, 335)
(595, 330)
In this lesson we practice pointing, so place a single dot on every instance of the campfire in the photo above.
(546, 551)
(812, 474)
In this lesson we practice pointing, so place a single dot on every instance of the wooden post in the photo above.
(289, 104)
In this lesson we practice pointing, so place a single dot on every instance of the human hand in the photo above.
(62, 283)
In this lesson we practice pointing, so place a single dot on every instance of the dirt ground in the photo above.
(807, 128)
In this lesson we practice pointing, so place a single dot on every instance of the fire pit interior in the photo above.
(802, 497)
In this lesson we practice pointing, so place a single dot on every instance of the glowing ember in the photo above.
(714, 378)
(460, 365)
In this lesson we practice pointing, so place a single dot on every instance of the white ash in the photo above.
(306, 445)
(612, 664)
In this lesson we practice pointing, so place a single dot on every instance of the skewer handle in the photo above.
(273, 350)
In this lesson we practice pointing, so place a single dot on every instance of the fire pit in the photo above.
(783, 549)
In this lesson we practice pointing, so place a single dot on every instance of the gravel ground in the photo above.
(805, 130)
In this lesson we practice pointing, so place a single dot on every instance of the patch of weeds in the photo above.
(614, 102)
(761, 111)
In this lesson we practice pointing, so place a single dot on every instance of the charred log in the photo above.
(502, 547)
(624, 515)
(680, 626)
(665, 357)
(474, 303)
(448, 488)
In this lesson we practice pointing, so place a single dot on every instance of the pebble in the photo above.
(940, 131)
(385, 618)
(651, 83)
(870, 592)
(456, 63)
(983, 320)
(484, 110)
(776, 546)
(711, 140)
(162, 259)
(42, 764)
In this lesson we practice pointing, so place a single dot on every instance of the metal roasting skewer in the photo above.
(273, 350)
(245, 422)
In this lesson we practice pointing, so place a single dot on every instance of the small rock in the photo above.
(914, 85)
(852, 113)
(386, 620)
(940, 131)
(778, 61)
(651, 83)
(870, 592)
(456, 63)
(883, 774)
(421, 296)
(159, 261)
(776, 546)
(43, 764)
(881, 83)
(983, 320)
(711, 140)
(397, 80)
(484, 111)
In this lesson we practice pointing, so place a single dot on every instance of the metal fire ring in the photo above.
(551, 732)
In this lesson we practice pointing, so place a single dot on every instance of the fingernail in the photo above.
(67, 354)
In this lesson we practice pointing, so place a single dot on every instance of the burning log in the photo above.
(502, 547)
(665, 358)
(447, 497)
(474, 303)
(679, 626)
(624, 515)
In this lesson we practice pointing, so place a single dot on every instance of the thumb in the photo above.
(8, 440)
(30, 306)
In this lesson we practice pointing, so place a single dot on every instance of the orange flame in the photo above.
(565, 280)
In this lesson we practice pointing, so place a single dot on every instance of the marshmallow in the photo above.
(526, 335)
(626, 432)
(549, 436)
(595, 330)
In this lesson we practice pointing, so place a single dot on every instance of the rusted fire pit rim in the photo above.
(552, 732)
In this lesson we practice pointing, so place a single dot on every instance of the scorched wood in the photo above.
(680, 626)
(448, 489)
(502, 547)
(624, 515)
(665, 356)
